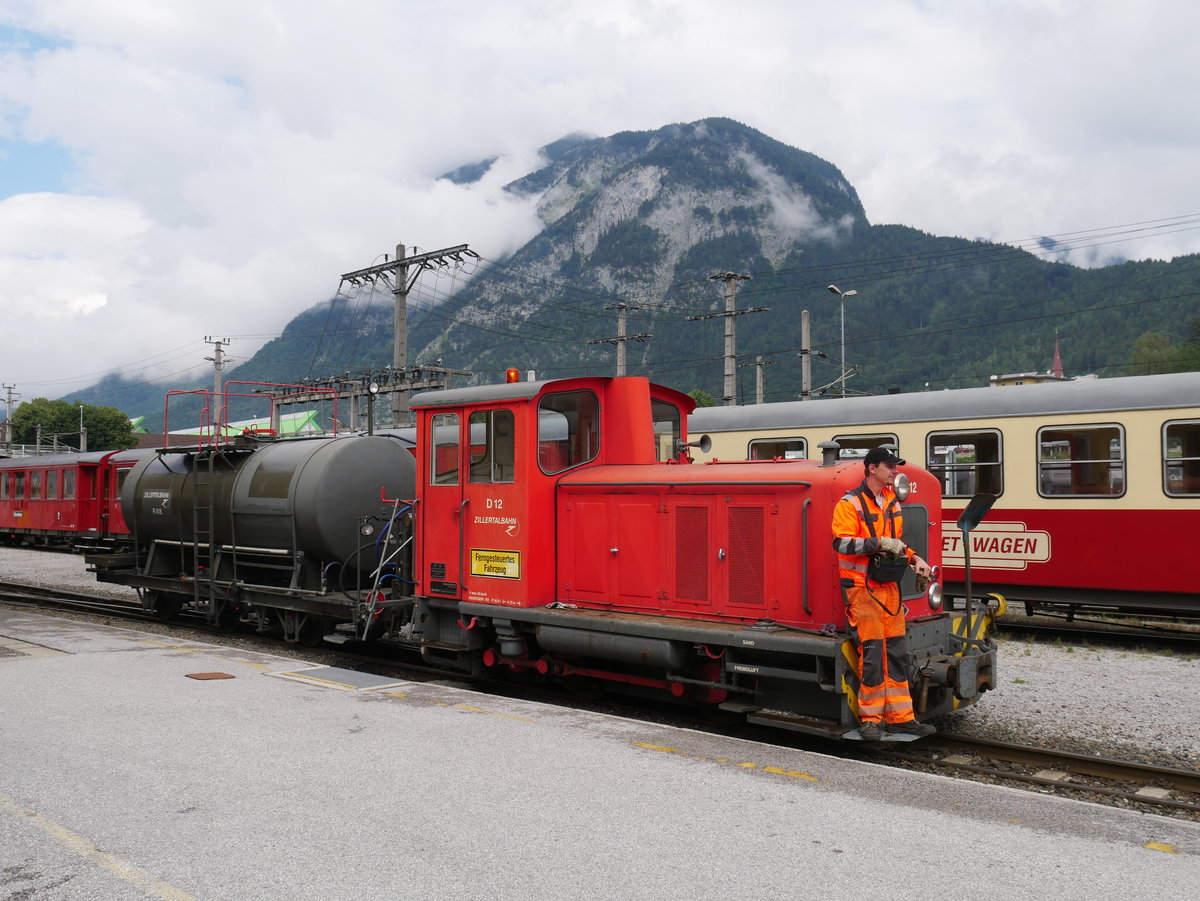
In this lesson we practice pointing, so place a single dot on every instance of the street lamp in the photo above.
(842, 295)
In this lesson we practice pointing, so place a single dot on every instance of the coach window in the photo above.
(667, 429)
(443, 449)
(68, 486)
(492, 446)
(18, 485)
(855, 447)
(35, 485)
(51, 484)
(568, 430)
(1181, 458)
(4, 479)
(1081, 460)
(777, 449)
(967, 463)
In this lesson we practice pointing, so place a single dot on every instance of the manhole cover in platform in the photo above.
(204, 677)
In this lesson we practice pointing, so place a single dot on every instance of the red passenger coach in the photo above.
(1084, 472)
(65, 499)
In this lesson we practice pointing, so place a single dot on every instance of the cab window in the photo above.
(668, 429)
(493, 444)
(967, 463)
(443, 449)
(568, 430)
(1082, 460)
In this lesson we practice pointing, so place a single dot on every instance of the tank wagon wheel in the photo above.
(166, 606)
(313, 631)
(229, 617)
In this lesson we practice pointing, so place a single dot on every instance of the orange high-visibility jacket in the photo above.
(855, 536)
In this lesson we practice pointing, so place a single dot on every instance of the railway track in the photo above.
(1089, 777)
(1121, 633)
(1071, 774)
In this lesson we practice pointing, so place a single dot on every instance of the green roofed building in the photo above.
(290, 425)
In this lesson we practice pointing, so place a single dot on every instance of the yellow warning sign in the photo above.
(498, 564)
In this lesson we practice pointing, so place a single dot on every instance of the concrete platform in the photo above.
(123, 778)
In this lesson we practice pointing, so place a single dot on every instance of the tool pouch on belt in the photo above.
(886, 567)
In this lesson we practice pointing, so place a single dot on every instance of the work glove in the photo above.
(892, 546)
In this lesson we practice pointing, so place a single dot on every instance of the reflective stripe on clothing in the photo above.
(883, 693)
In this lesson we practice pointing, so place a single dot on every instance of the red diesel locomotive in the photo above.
(555, 528)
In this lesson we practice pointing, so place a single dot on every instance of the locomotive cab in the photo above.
(487, 474)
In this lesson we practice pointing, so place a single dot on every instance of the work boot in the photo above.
(870, 732)
(912, 727)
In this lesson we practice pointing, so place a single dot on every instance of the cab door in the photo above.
(442, 505)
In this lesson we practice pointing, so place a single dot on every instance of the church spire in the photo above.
(1056, 367)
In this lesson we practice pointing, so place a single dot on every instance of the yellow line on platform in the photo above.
(135, 876)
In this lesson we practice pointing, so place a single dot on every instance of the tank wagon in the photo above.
(557, 529)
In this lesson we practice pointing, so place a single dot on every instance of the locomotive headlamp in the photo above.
(902, 486)
(367, 529)
(935, 596)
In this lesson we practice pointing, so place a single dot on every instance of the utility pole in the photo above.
(395, 272)
(8, 408)
(730, 382)
(621, 338)
(805, 357)
(218, 360)
(400, 330)
(758, 365)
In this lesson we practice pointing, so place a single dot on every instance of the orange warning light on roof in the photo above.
(512, 375)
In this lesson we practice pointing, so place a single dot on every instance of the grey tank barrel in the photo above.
(309, 495)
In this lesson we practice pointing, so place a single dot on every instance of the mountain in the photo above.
(649, 219)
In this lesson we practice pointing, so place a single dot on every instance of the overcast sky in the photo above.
(173, 170)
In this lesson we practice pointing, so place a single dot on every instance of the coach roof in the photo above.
(1142, 392)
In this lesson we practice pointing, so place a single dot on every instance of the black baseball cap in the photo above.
(882, 455)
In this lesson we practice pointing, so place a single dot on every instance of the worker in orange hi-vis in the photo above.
(868, 530)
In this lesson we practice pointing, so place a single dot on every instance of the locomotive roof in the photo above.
(506, 391)
(477, 394)
(1180, 389)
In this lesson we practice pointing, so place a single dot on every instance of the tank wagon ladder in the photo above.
(202, 472)
(205, 558)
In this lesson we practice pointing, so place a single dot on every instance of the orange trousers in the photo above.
(877, 617)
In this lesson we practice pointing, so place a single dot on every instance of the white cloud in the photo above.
(233, 159)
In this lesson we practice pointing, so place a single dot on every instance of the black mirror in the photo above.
(976, 511)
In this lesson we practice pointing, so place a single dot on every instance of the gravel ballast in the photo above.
(1133, 704)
